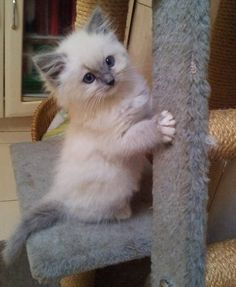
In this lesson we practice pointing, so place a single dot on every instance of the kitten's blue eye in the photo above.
(89, 78)
(110, 60)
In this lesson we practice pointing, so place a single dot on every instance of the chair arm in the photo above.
(42, 118)
(222, 126)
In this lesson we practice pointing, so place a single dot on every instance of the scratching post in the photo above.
(181, 47)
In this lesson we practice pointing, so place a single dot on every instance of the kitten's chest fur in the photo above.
(96, 138)
(115, 119)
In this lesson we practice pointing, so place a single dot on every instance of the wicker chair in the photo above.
(222, 121)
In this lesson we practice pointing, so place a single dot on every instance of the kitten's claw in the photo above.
(166, 119)
(167, 126)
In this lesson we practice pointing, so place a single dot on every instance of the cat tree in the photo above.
(181, 52)
(181, 48)
(180, 71)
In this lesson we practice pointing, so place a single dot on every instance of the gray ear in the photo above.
(50, 65)
(98, 23)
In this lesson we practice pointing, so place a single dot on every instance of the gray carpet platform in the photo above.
(73, 247)
(128, 274)
(18, 274)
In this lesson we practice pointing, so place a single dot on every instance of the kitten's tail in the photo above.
(41, 217)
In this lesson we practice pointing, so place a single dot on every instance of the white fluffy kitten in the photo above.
(111, 128)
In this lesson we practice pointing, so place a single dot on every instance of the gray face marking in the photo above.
(51, 65)
(106, 75)
(108, 79)
(103, 73)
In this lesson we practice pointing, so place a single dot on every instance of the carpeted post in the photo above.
(181, 50)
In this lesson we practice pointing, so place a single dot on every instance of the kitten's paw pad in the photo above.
(124, 213)
(167, 126)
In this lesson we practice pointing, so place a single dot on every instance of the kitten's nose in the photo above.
(111, 82)
(108, 79)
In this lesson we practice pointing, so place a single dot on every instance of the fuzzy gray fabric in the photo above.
(128, 274)
(181, 48)
(73, 247)
(18, 274)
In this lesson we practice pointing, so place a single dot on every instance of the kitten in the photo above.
(111, 128)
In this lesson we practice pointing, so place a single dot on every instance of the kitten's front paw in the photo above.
(167, 126)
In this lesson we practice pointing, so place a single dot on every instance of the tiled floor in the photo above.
(11, 131)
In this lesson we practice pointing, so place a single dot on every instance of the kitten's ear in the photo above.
(50, 66)
(98, 23)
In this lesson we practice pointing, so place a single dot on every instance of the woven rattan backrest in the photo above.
(222, 66)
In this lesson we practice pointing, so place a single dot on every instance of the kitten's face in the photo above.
(90, 64)
(96, 64)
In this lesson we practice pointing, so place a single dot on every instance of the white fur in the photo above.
(111, 129)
